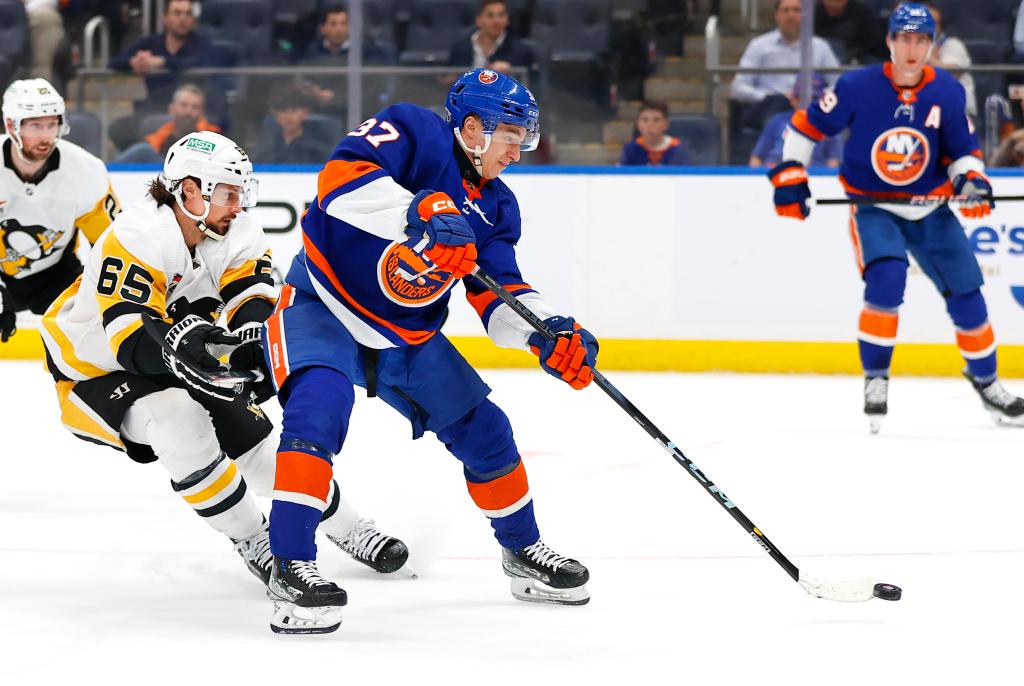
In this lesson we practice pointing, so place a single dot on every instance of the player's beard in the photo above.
(38, 153)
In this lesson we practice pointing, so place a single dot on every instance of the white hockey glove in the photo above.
(197, 344)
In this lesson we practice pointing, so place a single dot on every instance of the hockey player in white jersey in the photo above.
(50, 191)
(186, 258)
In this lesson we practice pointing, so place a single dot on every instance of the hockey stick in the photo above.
(222, 377)
(845, 591)
(913, 200)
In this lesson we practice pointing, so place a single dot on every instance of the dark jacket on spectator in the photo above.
(858, 30)
(197, 51)
(512, 50)
(303, 150)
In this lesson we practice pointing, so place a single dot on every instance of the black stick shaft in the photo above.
(648, 426)
(914, 200)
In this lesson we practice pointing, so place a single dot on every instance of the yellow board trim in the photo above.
(924, 359)
(216, 487)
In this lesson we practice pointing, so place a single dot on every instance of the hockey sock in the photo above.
(974, 334)
(495, 476)
(218, 494)
(884, 283)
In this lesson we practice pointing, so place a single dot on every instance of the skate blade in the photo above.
(875, 422)
(1002, 420)
(289, 618)
(533, 591)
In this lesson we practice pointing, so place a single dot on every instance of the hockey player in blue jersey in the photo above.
(407, 205)
(909, 136)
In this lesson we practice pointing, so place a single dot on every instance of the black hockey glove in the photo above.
(197, 345)
(8, 315)
(249, 357)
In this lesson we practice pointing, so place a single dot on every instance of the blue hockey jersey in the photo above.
(903, 141)
(356, 256)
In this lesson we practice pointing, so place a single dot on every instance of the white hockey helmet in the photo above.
(220, 165)
(29, 98)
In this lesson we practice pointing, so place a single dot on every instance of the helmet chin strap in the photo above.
(476, 151)
(200, 220)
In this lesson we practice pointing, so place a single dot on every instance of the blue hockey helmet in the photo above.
(496, 99)
(912, 17)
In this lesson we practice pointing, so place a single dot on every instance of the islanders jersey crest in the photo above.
(409, 278)
(900, 155)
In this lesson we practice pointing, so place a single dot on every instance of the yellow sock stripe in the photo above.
(216, 487)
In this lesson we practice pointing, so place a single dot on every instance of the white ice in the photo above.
(107, 577)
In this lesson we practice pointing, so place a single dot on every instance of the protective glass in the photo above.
(231, 195)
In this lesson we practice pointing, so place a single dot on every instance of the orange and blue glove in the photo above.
(571, 356)
(978, 190)
(451, 242)
(791, 189)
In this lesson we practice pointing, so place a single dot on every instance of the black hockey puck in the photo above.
(887, 592)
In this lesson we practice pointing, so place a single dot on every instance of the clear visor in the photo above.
(231, 195)
(526, 140)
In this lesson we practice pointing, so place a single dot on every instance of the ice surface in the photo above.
(106, 576)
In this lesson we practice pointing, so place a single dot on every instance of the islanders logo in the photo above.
(408, 278)
(900, 155)
(487, 76)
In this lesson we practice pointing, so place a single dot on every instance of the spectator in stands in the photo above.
(857, 29)
(768, 150)
(187, 114)
(491, 44)
(1018, 35)
(178, 47)
(951, 53)
(46, 31)
(1010, 152)
(653, 147)
(290, 143)
(331, 49)
(762, 95)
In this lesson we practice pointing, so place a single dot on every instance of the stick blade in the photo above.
(843, 591)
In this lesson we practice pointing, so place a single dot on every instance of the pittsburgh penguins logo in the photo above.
(20, 246)
(900, 156)
(408, 277)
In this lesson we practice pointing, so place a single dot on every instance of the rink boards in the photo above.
(689, 270)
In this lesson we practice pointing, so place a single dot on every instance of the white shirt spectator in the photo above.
(1018, 31)
(953, 53)
(772, 50)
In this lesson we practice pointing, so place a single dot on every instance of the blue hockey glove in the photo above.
(571, 356)
(791, 189)
(451, 243)
(978, 189)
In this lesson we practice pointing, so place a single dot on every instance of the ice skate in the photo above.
(1006, 409)
(540, 575)
(304, 601)
(378, 551)
(876, 400)
(255, 551)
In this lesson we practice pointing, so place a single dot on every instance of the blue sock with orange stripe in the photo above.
(884, 283)
(974, 334)
(495, 476)
(313, 433)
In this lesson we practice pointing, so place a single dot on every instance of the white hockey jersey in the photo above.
(141, 267)
(39, 221)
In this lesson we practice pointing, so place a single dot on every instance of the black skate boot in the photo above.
(876, 400)
(540, 575)
(1005, 408)
(378, 551)
(304, 601)
(255, 551)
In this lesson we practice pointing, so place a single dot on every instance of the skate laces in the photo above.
(997, 395)
(545, 556)
(364, 541)
(876, 390)
(308, 573)
(257, 548)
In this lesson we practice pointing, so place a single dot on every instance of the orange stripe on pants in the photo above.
(303, 473)
(502, 492)
(855, 237)
(976, 340)
(878, 323)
